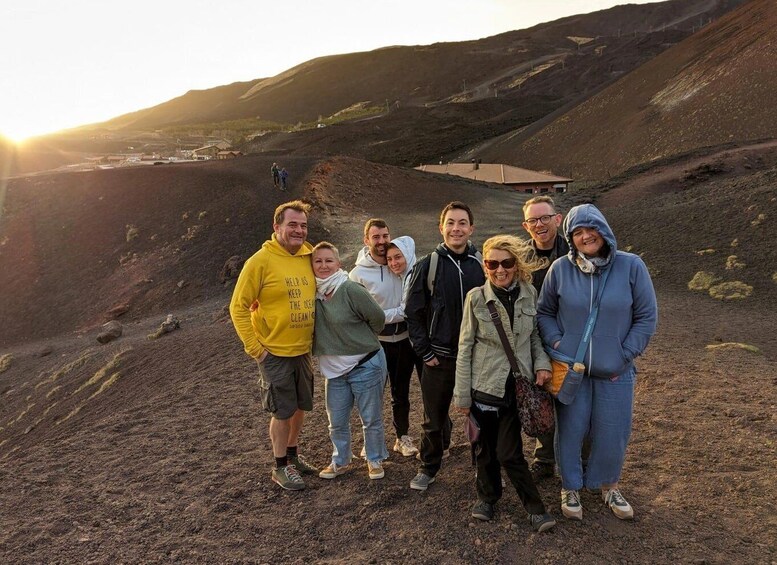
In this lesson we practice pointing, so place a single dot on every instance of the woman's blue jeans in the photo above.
(363, 385)
(602, 409)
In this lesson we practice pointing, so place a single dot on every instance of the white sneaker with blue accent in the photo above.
(619, 505)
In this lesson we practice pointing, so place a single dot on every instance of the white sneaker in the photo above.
(404, 445)
(333, 470)
(375, 470)
(570, 504)
(619, 506)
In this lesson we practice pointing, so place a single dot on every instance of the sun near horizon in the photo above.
(74, 65)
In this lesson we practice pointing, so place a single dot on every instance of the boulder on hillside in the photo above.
(110, 331)
(231, 268)
(171, 323)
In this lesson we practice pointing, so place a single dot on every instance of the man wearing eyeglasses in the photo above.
(541, 222)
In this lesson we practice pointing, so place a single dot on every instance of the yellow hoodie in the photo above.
(274, 301)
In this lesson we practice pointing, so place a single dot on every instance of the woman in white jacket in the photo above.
(400, 257)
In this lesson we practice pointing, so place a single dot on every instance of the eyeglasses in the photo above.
(493, 265)
(542, 220)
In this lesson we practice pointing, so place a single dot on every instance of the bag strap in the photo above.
(500, 329)
(433, 260)
(591, 322)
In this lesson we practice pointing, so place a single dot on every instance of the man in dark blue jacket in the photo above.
(434, 311)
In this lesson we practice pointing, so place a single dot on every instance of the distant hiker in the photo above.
(485, 383)
(284, 175)
(595, 274)
(372, 272)
(433, 311)
(351, 359)
(272, 309)
(276, 174)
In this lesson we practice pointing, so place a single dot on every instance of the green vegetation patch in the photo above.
(132, 232)
(732, 262)
(5, 362)
(759, 220)
(733, 290)
(65, 369)
(702, 281)
(106, 384)
(109, 368)
(733, 345)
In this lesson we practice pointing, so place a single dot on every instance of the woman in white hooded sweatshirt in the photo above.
(400, 257)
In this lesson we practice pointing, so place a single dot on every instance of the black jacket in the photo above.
(434, 321)
(560, 249)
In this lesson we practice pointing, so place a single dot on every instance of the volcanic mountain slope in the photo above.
(156, 450)
(715, 87)
(417, 75)
(440, 98)
(75, 247)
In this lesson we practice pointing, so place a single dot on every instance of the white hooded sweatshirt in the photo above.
(385, 287)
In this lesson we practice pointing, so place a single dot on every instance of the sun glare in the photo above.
(16, 137)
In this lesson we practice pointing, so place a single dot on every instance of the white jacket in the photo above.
(386, 288)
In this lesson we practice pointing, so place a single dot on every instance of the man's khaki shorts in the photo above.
(286, 384)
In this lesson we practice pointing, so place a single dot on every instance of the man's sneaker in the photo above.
(404, 445)
(541, 470)
(541, 522)
(288, 478)
(445, 454)
(619, 506)
(570, 504)
(303, 466)
(333, 470)
(421, 482)
(375, 470)
(483, 511)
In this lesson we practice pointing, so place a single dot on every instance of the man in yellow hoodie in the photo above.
(272, 309)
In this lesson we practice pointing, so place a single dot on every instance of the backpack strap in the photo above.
(434, 258)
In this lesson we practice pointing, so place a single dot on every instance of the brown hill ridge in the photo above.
(422, 74)
(715, 87)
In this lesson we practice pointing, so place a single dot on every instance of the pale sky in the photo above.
(66, 63)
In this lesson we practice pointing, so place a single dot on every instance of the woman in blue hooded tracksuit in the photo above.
(602, 407)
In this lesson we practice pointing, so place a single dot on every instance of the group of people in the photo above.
(391, 315)
(280, 176)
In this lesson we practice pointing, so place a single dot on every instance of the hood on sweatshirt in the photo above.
(274, 246)
(588, 216)
(406, 245)
(364, 259)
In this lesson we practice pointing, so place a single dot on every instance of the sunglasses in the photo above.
(493, 265)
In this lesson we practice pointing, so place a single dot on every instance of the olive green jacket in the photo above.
(482, 363)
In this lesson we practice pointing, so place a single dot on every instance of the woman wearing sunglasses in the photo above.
(606, 295)
(485, 385)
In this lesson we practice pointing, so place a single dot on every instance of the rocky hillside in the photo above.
(715, 87)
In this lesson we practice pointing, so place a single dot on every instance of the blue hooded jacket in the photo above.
(628, 312)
